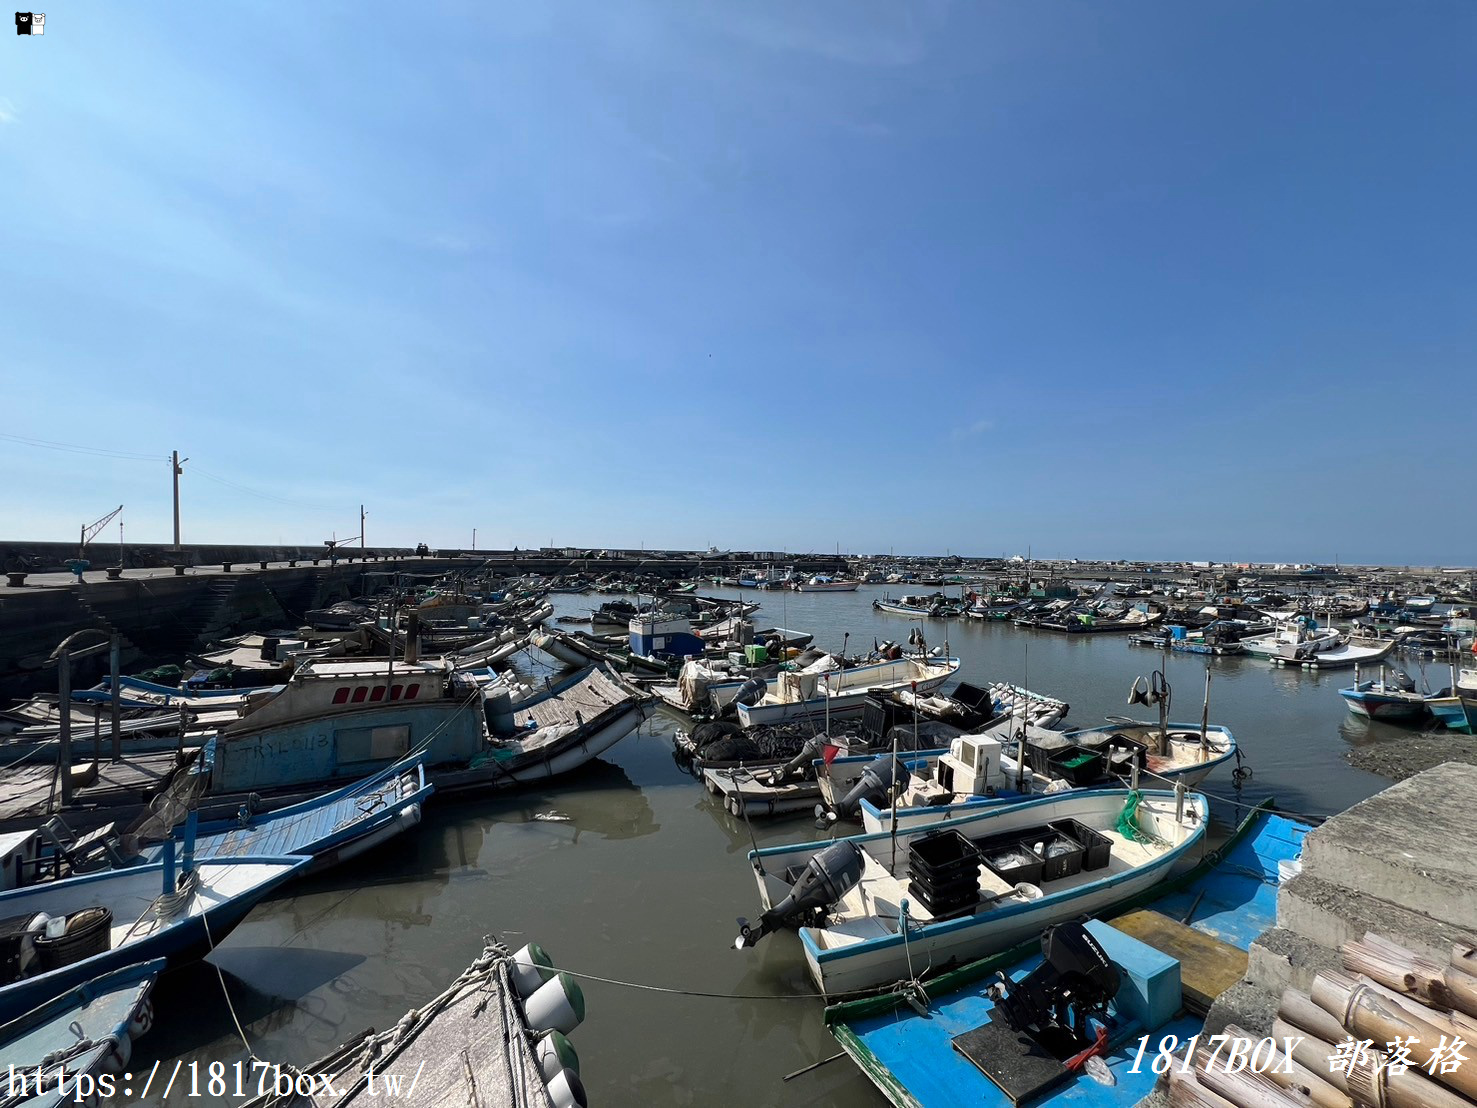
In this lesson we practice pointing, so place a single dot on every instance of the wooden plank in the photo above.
(1208, 967)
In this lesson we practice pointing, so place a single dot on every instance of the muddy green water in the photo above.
(628, 870)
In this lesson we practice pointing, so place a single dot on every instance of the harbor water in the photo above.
(630, 871)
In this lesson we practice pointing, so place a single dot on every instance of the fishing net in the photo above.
(1128, 825)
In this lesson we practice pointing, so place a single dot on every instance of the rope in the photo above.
(31, 753)
(226, 994)
(689, 992)
(1235, 801)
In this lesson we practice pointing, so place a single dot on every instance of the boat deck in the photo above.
(575, 706)
(30, 793)
(871, 908)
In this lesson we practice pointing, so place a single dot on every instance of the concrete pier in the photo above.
(1402, 864)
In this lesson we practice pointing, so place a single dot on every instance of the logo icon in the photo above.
(30, 23)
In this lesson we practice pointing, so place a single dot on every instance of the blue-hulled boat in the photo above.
(1385, 699)
(121, 917)
(1224, 902)
(329, 829)
(86, 1033)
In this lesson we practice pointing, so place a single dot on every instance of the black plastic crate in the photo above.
(1013, 841)
(946, 904)
(1057, 862)
(1040, 748)
(1097, 848)
(950, 886)
(943, 858)
(880, 715)
(1077, 765)
(972, 696)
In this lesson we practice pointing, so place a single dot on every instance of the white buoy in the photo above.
(566, 1090)
(554, 1053)
(531, 967)
(558, 1005)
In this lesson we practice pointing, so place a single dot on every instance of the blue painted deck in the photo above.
(1238, 900)
(316, 825)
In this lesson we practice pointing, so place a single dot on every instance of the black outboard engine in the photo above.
(827, 878)
(798, 766)
(1075, 979)
(751, 692)
(877, 781)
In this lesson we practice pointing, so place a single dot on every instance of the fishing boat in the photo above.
(873, 909)
(935, 606)
(1210, 639)
(120, 917)
(839, 692)
(822, 582)
(328, 829)
(471, 742)
(1390, 697)
(1456, 707)
(979, 771)
(1177, 948)
(496, 1036)
(74, 1045)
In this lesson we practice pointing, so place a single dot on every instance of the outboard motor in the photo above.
(877, 781)
(798, 765)
(751, 692)
(827, 878)
(1075, 979)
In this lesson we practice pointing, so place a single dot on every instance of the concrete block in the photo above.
(1411, 844)
(1281, 959)
(1245, 1005)
(1332, 915)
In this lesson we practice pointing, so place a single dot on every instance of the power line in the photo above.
(75, 448)
(257, 492)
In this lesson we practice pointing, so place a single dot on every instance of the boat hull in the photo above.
(841, 705)
(181, 941)
(865, 953)
(1455, 713)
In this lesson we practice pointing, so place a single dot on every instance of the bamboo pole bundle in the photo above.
(1370, 1015)
(1311, 1051)
(1186, 1091)
(1464, 958)
(1408, 1089)
(1406, 972)
(1246, 1088)
(1299, 1010)
(1291, 1075)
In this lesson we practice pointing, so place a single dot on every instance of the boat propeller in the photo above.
(828, 877)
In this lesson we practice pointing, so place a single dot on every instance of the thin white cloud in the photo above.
(7, 110)
(451, 244)
(978, 427)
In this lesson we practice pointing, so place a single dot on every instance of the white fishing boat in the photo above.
(995, 879)
(981, 771)
(1298, 638)
(823, 583)
(842, 692)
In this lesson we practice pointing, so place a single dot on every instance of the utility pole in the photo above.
(361, 527)
(175, 461)
(474, 539)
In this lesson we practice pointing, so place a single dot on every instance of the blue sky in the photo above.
(1131, 279)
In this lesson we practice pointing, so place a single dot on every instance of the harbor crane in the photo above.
(89, 532)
